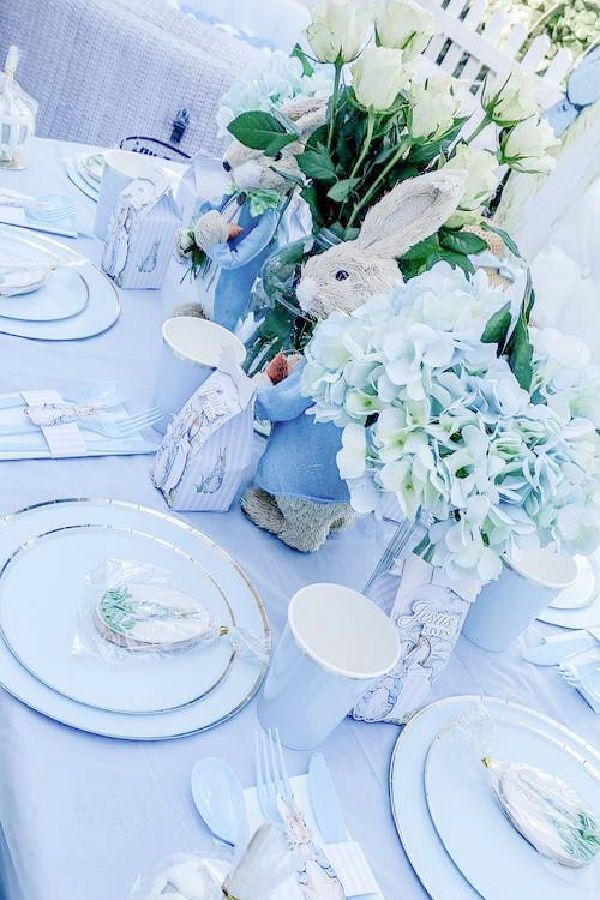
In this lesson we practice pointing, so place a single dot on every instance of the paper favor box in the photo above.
(207, 448)
(141, 234)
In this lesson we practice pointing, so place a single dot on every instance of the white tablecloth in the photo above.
(83, 815)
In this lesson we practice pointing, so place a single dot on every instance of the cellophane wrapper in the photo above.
(186, 876)
(262, 868)
(131, 606)
(547, 812)
(265, 864)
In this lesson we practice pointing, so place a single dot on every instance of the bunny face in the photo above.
(342, 279)
(253, 170)
(344, 276)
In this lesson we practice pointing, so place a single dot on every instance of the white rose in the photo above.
(405, 26)
(338, 29)
(377, 77)
(184, 241)
(510, 100)
(525, 148)
(434, 107)
(481, 168)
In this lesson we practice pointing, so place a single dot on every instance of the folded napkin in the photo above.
(348, 858)
(582, 671)
(19, 216)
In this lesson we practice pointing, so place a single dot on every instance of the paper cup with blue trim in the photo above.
(191, 350)
(337, 643)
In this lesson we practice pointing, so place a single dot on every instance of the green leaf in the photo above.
(461, 241)
(317, 163)
(497, 326)
(307, 68)
(423, 248)
(309, 194)
(341, 190)
(520, 354)
(504, 235)
(261, 131)
(457, 260)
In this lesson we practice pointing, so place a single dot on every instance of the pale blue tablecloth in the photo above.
(82, 815)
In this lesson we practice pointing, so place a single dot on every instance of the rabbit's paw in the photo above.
(190, 309)
(261, 507)
(309, 524)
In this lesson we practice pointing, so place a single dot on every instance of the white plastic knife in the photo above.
(325, 802)
(555, 649)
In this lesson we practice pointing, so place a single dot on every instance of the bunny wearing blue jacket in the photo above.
(259, 214)
(298, 493)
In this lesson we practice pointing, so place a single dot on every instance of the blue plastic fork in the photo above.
(273, 785)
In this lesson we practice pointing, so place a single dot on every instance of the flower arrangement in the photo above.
(386, 123)
(433, 415)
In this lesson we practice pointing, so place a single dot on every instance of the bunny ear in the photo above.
(411, 212)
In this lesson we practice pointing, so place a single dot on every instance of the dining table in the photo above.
(82, 816)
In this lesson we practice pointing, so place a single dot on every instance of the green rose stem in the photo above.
(402, 147)
(334, 97)
(487, 120)
(366, 143)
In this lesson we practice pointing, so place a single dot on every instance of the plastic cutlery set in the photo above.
(39, 425)
(328, 862)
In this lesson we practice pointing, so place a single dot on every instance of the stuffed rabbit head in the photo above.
(344, 276)
(252, 170)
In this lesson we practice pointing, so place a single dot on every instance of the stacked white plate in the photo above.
(74, 300)
(47, 553)
(459, 842)
(85, 171)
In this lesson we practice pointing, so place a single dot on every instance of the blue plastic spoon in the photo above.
(219, 798)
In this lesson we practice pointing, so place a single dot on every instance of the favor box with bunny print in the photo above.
(207, 448)
(428, 614)
(141, 235)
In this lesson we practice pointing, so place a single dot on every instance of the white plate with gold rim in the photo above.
(434, 867)
(241, 680)
(48, 625)
(101, 308)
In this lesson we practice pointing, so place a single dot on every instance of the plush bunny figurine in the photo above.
(298, 493)
(344, 276)
(260, 213)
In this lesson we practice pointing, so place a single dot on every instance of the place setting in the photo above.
(51, 292)
(529, 792)
(92, 420)
(150, 630)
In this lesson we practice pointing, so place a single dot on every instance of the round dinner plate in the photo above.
(494, 858)
(241, 680)
(72, 173)
(577, 606)
(432, 864)
(47, 622)
(97, 316)
(65, 294)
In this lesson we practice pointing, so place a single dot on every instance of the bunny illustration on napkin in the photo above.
(298, 493)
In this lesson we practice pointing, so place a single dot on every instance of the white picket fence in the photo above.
(471, 44)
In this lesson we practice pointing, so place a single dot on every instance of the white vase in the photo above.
(505, 607)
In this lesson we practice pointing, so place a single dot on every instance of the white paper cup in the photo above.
(337, 644)
(122, 167)
(504, 608)
(191, 349)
